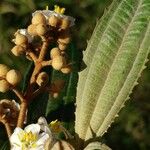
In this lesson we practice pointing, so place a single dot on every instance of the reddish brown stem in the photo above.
(43, 50)
(22, 114)
(46, 63)
(18, 94)
(29, 93)
(7, 127)
(32, 55)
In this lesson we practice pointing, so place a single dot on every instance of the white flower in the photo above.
(28, 139)
(58, 12)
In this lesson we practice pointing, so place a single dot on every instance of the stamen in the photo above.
(47, 8)
(59, 10)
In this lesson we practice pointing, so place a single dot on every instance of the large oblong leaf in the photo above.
(115, 58)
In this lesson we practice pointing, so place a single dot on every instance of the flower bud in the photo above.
(64, 40)
(18, 50)
(41, 29)
(66, 70)
(32, 29)
(13, 77)
(20, 39)
(58, 62)
(62, 46)
(54, 52)
(65, 23)
(42, 79)
(55, 95)
(4, 86)
(3, 70)
(54, 21)
(38, 18)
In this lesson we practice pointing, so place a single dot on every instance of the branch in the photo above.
(43, 50)
(46, 63)
(18, 94)
(7, 127)
(32, 55)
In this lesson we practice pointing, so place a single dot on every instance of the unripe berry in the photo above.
(58, 62)
(18, 50)
(13, 77)
(54, 52)
(54, 21)
(65, 23)
(32, 29)
(66, 70)
(20, 39)
(3, 70)
(42, 79)
(41, 29)
(4, 86)
(38, 18)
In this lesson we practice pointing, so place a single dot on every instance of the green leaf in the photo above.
(5, 146)
(115, 57)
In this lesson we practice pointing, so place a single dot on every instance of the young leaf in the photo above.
(115, 58)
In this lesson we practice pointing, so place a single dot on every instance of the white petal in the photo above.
(42, 139)
(14, 139)
(34, 128)
(42, 121)
(16, 148)
(38, 148)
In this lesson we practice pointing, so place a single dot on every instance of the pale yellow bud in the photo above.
(65, 23)
(66, 70)
(41, 29)
(32, 29)
(38, 18)
(18, 50)
(20, 39)
(13, 77)
(3, 70)
(54, 52)
(58, 62)
(54, 21)
(42, 79)
(62, 46)
(64, 40)
(4, 86)
(55, 95)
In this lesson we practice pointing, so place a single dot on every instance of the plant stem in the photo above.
(43, 50)
(18, 94)
(46, 63)
(30, 90)
(22, 114)
(7, 127)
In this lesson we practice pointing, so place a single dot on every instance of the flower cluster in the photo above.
(44, 42)
(8, 78)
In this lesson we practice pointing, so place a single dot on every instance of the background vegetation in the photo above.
(131, 130)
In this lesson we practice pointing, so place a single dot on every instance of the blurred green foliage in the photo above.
(131, 130)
